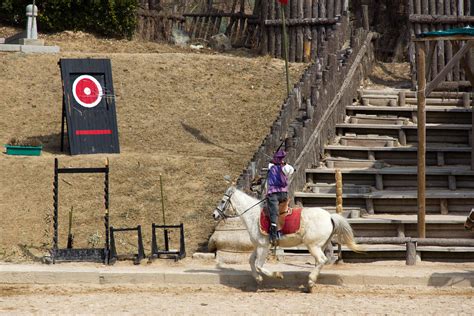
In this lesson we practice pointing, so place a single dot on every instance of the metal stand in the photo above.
(167, 253)
(113, 251)
(84, 254)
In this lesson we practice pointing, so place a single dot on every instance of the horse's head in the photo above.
(220, 211)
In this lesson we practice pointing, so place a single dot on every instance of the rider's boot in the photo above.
(273, 234)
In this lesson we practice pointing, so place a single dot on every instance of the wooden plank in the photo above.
(304, 21)
(330, 8)
(307, 31)
(271, 29)
(440, 19)
(293, 5)
(314, 31)
(278, 32)
(300, 33)
(263, 29)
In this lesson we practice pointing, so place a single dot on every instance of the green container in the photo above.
(24, 150)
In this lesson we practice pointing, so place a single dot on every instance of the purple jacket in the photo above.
(278, 177)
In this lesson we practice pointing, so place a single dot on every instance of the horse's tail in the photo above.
(344, 233)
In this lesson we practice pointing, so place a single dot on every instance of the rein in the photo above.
(237, 215)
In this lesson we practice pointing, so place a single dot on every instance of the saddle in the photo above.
(289, 220)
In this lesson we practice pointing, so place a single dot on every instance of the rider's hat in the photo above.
(279, 156)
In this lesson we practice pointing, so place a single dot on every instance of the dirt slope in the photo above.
(191, 116)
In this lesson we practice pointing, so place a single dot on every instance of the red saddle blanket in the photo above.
(292, 221)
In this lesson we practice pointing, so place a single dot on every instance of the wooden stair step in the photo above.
(373, 119)
(432, 126)
(400, 148)
(331, 188)
(451, 170)
(408, 219)
(344, 163)
(434, 114)
(403, 155)
(368, 140)
(393, 194)
(408, 108)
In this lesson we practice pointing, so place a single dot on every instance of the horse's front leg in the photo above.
(253, 267)
(262, 251)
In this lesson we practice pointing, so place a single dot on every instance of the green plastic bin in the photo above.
(24, 150)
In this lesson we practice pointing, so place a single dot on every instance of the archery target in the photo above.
(87, 91)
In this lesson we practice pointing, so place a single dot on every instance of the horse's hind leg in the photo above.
(261, 252)
(252, 261)
(321, 259)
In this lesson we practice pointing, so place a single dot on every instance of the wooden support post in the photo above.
(338, 191)
(421, 125)
(365, 17)
(401, 98)
(411, 253)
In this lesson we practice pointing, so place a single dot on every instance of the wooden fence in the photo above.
(437, 15)
(317, 103)
(156, 26)
(308, 22)
(241, 28)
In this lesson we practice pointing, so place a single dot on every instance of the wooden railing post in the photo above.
(421, 127)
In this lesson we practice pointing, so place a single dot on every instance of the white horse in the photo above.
(317, 228)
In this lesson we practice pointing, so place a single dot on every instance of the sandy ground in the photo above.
(353, 298)
(221, 300)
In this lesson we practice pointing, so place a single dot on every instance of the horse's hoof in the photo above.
(311, 289)
(259, 279)
(278, 275)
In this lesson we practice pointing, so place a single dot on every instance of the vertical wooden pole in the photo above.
(421, 126)
(162, 200)
(285, 48)
(292, 30)
(338, 191)
(278, 41)
(365, 17)
(271, 29)
(263, 28)
(299, 33)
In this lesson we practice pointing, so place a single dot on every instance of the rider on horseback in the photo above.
(278, 172)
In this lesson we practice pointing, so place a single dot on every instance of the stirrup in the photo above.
(273, 234)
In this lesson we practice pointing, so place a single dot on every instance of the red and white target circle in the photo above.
(87, 91)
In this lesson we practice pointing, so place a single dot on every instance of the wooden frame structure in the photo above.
(423, 90)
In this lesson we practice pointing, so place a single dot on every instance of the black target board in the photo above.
(89, 106)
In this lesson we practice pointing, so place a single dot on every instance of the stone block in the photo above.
(9, 48)
(39, 49)
(2, 40)
(30, 41)
(14, 39)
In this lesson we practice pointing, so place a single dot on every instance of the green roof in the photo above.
(468, 30)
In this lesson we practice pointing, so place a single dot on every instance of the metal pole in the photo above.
(162, 200)
(285, 48)
(421, 127)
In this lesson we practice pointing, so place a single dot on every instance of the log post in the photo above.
(421, 127)
(411, 253)
(365, 17)
(338, 191)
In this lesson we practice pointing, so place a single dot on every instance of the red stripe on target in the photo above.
(87, 91)
(94, 132)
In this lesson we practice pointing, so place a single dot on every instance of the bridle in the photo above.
(221, 209)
